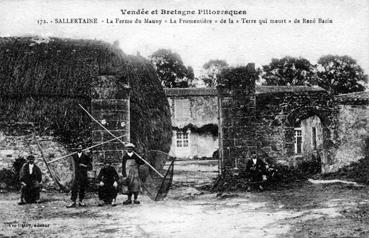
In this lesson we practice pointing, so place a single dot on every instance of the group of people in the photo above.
(107, 179)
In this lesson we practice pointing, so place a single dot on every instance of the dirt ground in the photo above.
(301, 210)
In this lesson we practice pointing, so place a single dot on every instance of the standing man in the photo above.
(30, 177)
(81, 163)
(130, 165)
(108, 183)
(256, 171)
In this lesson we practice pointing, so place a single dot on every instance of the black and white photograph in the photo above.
(184, 118)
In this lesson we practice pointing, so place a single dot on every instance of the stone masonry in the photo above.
(110, 106)
(237, 123)
(262, 120)
(280, 109)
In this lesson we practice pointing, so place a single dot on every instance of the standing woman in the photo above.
(130, 165)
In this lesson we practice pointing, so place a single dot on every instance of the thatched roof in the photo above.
(56, 67)
(44, 80)
(353, 98)
(259, 89)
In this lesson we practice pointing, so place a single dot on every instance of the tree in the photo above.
(340, 74)
(289, 71)
(211, 71)
(236, 77)
(170, 69)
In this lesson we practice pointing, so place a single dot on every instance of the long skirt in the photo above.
(107, 193)
(134, 182)
(31, 192)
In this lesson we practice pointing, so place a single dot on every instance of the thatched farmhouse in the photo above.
(42, 81)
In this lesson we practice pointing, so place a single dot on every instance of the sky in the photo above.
(237, 43)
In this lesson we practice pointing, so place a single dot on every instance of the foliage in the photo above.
(278, 177)
(170, 69)
(212, 69)
(289, 71)
(340, 74)
(235, 77)
(336, 74)
(211, 129)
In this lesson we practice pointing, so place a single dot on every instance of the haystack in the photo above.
(43, 81)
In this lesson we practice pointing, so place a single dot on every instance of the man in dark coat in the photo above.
(108, 183)
(256, 170)
(130, 165)
(30, 177)
(81, 163)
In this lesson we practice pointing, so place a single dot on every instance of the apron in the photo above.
(134, 183)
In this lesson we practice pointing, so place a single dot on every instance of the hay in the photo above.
(60, 67)
(150, 113)
(43, 82)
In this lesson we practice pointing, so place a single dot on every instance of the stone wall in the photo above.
(110, 106)
(17, 141)
(278, 114)
(201, 107)
(263, 119)
(237, 124)
(353, 133)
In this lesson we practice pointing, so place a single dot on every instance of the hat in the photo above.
(129, 145)
(30, 157)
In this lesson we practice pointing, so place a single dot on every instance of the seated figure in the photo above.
(108, 183)
(256, 171)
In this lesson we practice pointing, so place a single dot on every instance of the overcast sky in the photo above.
(238, 43)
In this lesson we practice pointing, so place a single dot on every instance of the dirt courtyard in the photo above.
(301, 210)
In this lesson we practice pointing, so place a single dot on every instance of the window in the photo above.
(313, 134)
(298, 141)
(182, 138)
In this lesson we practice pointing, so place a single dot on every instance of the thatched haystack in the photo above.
(150, 115)
(44, 80)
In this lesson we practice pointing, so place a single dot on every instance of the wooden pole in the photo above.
(148, 164)
(88, 148)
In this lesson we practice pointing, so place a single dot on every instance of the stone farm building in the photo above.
(289, 125)
(194, 114)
